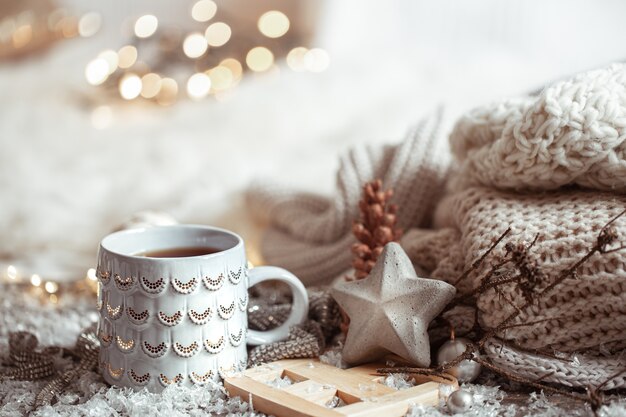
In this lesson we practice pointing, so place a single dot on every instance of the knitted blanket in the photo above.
(551, 165)
(310, 234)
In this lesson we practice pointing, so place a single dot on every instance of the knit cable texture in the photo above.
(311, 235)
(573, 133)
(582, 314)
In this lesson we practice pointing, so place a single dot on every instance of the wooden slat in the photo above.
(355, 386)
(316, 383)
(274, 401)
(395, 404)
(264, 373)
(312, 391)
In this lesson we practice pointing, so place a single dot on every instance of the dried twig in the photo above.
(527, 280)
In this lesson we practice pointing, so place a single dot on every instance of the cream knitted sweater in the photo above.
(521, 164)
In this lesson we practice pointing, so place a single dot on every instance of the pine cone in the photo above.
(375, 228)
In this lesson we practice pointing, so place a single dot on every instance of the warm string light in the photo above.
(52, 291)
(217, 34)
(198, 86)
(12, 272)
(273, 24)
(203, 11)
(205, 75)
(195, 45)
(89, 24)
(27, 31)
(130, 86)
(35, 280)
(259, 59)
(146, 25)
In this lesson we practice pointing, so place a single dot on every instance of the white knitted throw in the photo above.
(310, 234)
(571, 135)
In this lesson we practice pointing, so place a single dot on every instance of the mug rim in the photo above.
(105, 243)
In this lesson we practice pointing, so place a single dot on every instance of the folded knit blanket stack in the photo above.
(552, 166)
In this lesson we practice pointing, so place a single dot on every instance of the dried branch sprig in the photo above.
(375, 228)
(528, 279)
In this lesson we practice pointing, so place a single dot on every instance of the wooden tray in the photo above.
(316, 383)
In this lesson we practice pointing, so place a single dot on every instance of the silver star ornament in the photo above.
(390, 310)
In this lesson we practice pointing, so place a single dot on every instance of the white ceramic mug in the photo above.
(180, 320)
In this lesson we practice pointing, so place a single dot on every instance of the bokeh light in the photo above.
(198, 86)
(35, 280)
(69, 26)
(273, 24)
(111, 59)
(130, 86)
(146, 25)
(97, 71)
(89, 24)
(91, 274)
(126, 56)
(51, 287)
(12, 272)
(217, 34)
(22, 36)
(316, 60)
(295, 58)
(221, 78)
(259, 59)
(234, 66)
(195, 45)
(150, 85)
(168, 93)
(203, 10)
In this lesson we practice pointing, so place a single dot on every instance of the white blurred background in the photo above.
(76, 160)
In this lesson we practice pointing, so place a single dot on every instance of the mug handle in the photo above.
(299, 308)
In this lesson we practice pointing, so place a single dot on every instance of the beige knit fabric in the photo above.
(573, 133)
(521, 164)
(311, 235)
(587, 314)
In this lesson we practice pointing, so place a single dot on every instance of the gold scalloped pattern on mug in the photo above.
(172, 320)
(124, 283)
(215, 347)
(165, 381)
(237, 338)
(114, 373)
(114, 313)
(124, 345)
(186, 351)
(105, 276)
(243, 302)
(137, 318)
(200, 318)
(226, 312)
(154, 351)
(201, 379)
(214, 284)
(105, 338)
(185, 287)
(139, 379)
(152, 287)
(235, 277)
(225, 372)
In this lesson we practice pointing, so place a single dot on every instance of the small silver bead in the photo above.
(466, 371)
(459, 401)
